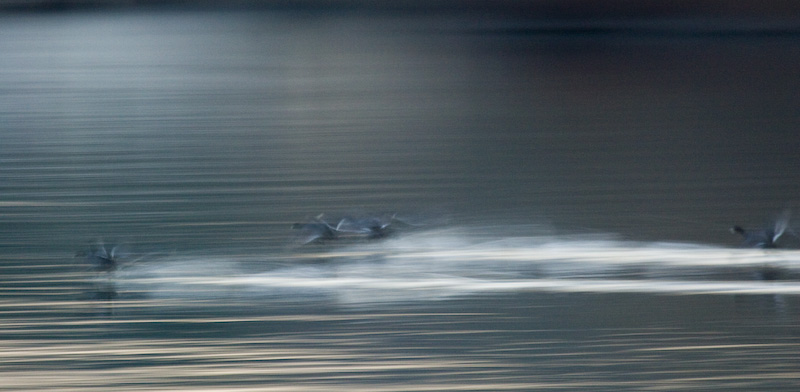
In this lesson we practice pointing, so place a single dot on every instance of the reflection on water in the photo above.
(197, 140)
(339, 361)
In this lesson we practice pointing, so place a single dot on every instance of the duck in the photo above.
(365, 227)
(102, 258)
(317, 230)
(369, 227)
(767, 237)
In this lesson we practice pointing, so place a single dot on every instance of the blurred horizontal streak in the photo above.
(352, 363)
(432, 287)
(56, 322)
(232, 223)
(643, 286)
(34, 267)
(608, 253)
(719, 347)
(84, 203)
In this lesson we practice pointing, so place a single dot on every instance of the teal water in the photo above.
(573, 190)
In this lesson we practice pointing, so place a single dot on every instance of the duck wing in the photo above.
(781, 225)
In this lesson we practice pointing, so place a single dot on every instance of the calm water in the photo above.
(571, 190)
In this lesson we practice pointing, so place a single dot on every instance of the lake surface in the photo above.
(568, 190)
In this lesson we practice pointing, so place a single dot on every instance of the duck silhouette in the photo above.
(354, 228)
(102, 258)
(767, 237)
(369, 227)
(318, 230)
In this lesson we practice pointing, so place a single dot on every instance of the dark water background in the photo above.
(575, 185)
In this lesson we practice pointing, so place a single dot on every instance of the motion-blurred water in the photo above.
(571, 188)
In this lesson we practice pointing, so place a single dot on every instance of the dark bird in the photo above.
(767, 237)
(374, 227)
(101, 258)
(316, 231)
(369, 227)
(364, 227)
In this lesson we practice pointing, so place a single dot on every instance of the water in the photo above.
(571, 190)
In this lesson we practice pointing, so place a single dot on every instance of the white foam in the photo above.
(443, 265)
